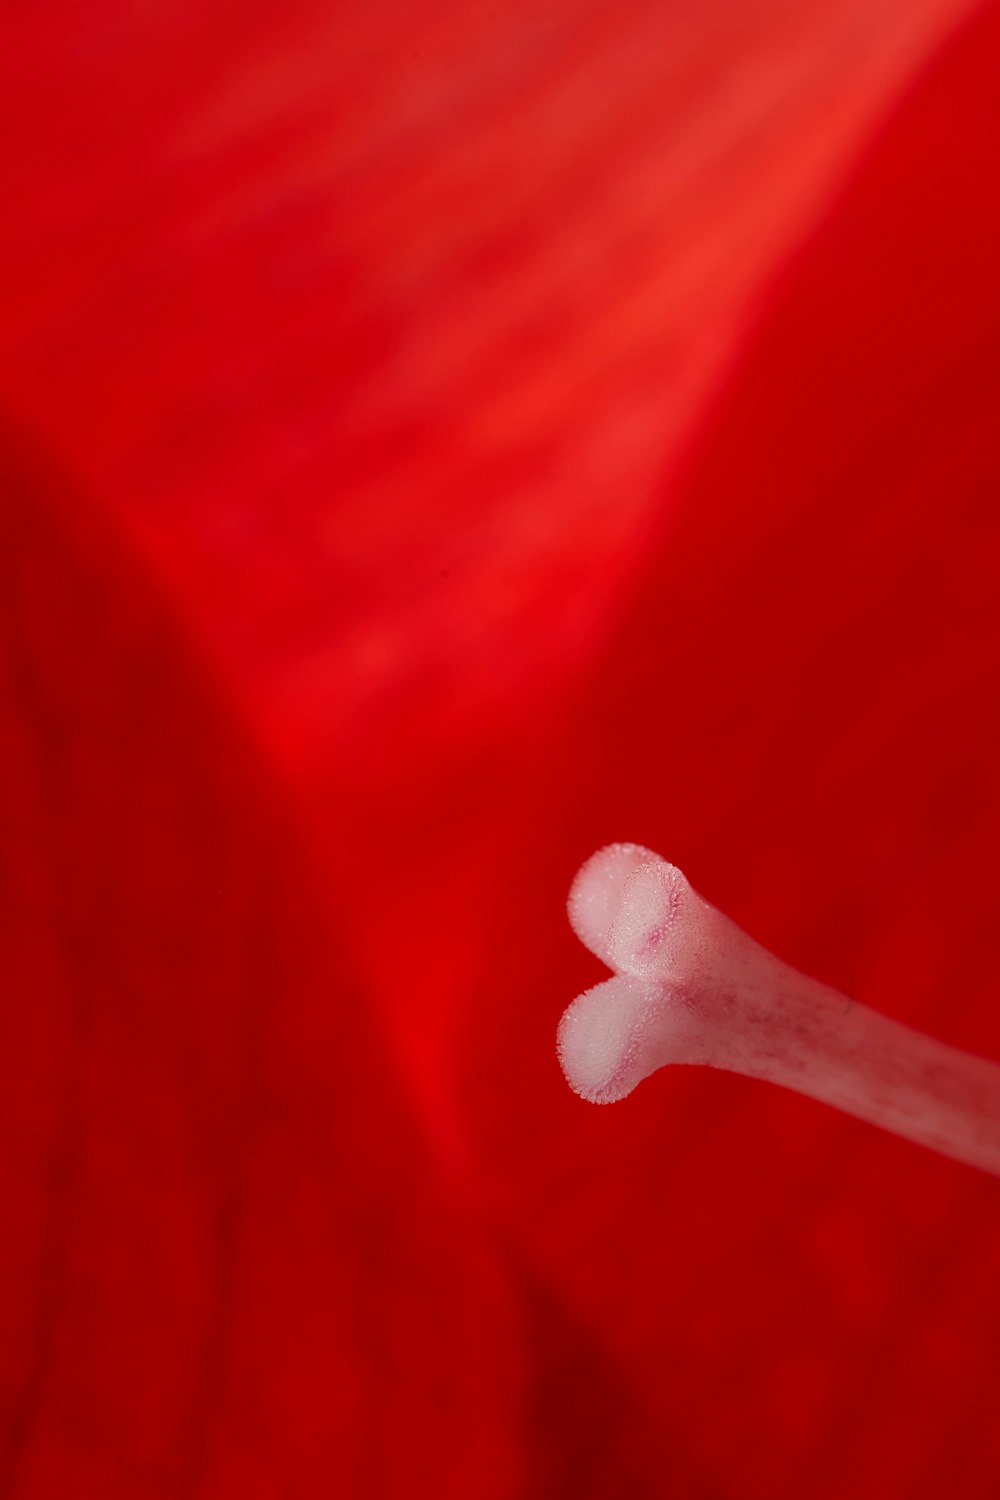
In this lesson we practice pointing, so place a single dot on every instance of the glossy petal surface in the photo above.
(423, 464)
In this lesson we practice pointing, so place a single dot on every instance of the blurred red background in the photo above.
(437, 440)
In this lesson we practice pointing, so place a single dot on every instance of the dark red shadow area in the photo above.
(229, 1264)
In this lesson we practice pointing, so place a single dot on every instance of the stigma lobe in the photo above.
(690, 986)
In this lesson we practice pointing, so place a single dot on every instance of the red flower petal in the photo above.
(368, 338)
(802, 709)
(230, 1264)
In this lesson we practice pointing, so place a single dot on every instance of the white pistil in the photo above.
(691, 987)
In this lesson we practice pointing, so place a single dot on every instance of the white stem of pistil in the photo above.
(691, 987)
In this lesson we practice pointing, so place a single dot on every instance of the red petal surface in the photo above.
(354, 591)
(802, 710)
(230, 1263)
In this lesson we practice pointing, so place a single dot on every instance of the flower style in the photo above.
(439, 439)
(689, 987)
